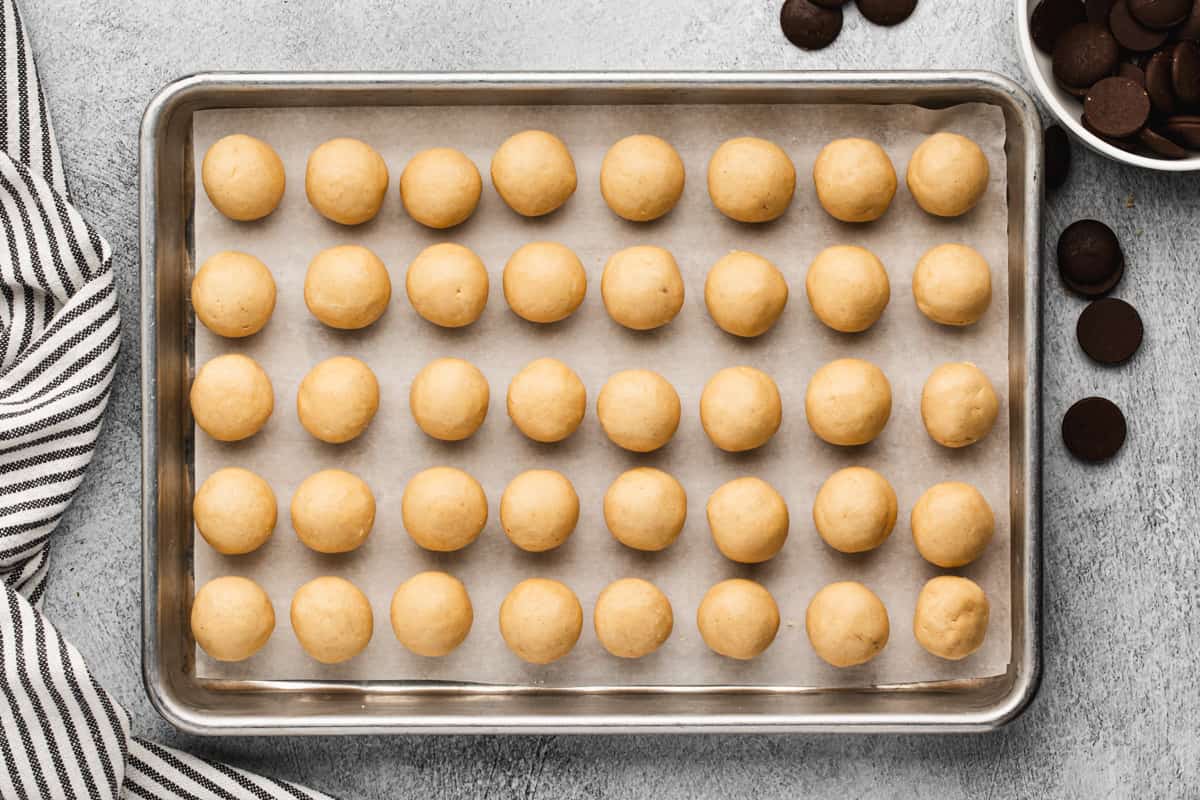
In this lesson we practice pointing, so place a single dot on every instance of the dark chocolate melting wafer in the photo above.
(1161, 145)
(1090, 260)
(1117, 107)
(1131, 34)
(1133, 72)
(1051, 19)
(1084, 54)
(886, 12)
(1058, 156)
(1190, 29)
(1110, 331)
(1185, 72)
(1098, 11)
(808, 25)
(1184, 130)
(1127, 145)
(1094, 429)
(1160, 14)
(1159, 84)
(830, 3)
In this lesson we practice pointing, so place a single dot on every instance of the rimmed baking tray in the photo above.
(263, 707)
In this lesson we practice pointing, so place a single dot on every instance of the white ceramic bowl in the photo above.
(1068, 108)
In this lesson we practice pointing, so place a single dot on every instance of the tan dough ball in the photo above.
(539, 510)
(847, 624)
(432, 613)
(958, 404)
(740, 409)
(751, 180)
(235, 511)
(738, 619)
(332, 619)
(534, 172)
(848, 401)
(447, 285)
(346, 181)
(855, 180)
(639, 410)
(440, 187)
(645, 509)
(947, 174)
(952, 285)
(632, 618)
(233, 294)
(347, 287)
(544, 282)
(855, 510)
(748, 520)
(952, 614)
(231, 398)
(641, 178)
(338, 399)
(449, 399)
(444, 509)
(952, 524)
(232, 618)
(333, 511)
(540, 620)
(642, 287)
(848, 288)
(547, 400)
(745, 294)
(243, 177)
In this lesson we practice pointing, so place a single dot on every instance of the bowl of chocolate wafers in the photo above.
(1122, 75)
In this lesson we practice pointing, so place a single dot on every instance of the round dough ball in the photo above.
(855, 180)
(233, 294)
(447, 285)
(544, 282)
(540, 620)
(547, 400)
(449, 399)
(639, 410)
(243, 177)
(745, 294)
(952, 524)
(951, 620)
(952, 285)
(347, 287)
(740, 409)
(444, 509)
(440, 188)
(539, 510)
(642, 287)
(333, 511)
(235, 511)
(231, 398)
(847, 624)
(751, 180)
(346, 181)
(641, 178)
(848, 401)
(632, 618)
(848, 288)
(534, 172)
(749, 520)
(958, 404)
(332, 619)
(338, 399)
(738, 619)
(432, 613)
(947, 174)
(645, 509)
(232, 618)
(855, 510)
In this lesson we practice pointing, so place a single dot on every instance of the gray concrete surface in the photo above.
(1119, 704)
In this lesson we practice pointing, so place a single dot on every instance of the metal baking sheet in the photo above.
(712, 678)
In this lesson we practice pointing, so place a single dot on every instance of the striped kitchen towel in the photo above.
(61, 734)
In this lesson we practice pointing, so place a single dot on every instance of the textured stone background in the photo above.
(1118, 708)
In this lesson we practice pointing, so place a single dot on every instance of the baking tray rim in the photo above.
(1027, 656)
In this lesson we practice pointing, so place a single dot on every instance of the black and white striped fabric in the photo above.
(61, 734)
